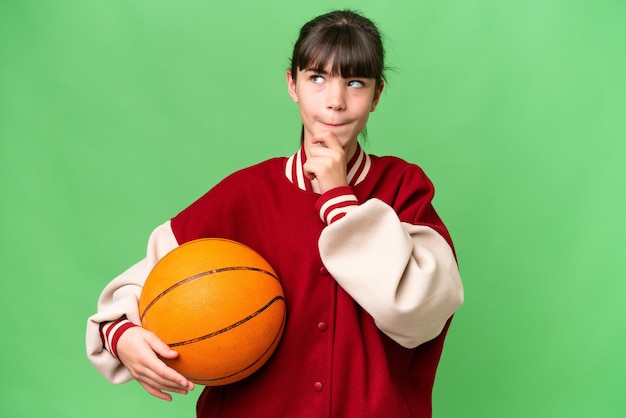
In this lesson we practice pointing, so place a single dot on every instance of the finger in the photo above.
(172, 378)
(326, 159)
(309, 170)
(328, 140)
(157, 393)
(168, 373)
(160, 347)
(318, 163)
(164, 376)
(154, 388)
(173, 389)
(151, 369)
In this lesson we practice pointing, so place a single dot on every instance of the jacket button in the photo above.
(322, 326)
(323, 271)
(317, 386)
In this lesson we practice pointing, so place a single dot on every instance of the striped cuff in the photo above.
(110, 332)
(334, 204)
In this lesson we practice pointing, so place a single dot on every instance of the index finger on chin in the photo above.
(327, 139)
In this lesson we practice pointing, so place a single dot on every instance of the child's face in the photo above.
(333, 104)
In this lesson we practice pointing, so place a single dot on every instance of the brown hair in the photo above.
(349, 41)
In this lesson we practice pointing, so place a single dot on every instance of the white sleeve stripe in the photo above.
(110, 330)
(335, 202)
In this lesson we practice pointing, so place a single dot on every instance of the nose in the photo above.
(335, 96)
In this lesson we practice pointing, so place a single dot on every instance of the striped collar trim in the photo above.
(358, 167)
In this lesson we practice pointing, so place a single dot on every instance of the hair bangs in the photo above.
(349, 51)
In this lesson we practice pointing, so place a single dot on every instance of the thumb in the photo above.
(160, 347)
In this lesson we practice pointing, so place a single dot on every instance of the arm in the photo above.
(405, 276)
(118, 300)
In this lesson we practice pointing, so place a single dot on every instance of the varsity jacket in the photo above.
(370, 280)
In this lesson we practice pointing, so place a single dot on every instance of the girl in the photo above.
(367, 266)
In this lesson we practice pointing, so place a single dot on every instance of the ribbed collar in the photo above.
(358, 167)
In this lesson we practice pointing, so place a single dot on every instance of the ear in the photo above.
(291, 86)
(377, 93)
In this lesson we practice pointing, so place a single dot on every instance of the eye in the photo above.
(356, 83)
(317, 79)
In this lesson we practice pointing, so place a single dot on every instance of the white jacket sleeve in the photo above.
(119, 298)
(405, 276)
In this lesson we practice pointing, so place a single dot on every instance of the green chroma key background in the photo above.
(115, 115)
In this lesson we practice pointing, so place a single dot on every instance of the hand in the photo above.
(326, 162)
(139, 350)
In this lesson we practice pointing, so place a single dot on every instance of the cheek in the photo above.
(307, 108)
(364, 110)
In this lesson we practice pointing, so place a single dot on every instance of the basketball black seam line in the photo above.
(280, 331)
(228, 328)
(199, 275)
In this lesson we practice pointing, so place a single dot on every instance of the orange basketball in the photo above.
(219, 304)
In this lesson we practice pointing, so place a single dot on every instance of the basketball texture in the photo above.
(219, 304)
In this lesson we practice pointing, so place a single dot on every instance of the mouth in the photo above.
(334, 125)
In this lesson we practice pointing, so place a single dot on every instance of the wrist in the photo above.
(335, 203)
(110, 332)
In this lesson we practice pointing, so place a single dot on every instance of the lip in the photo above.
(334, 125)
